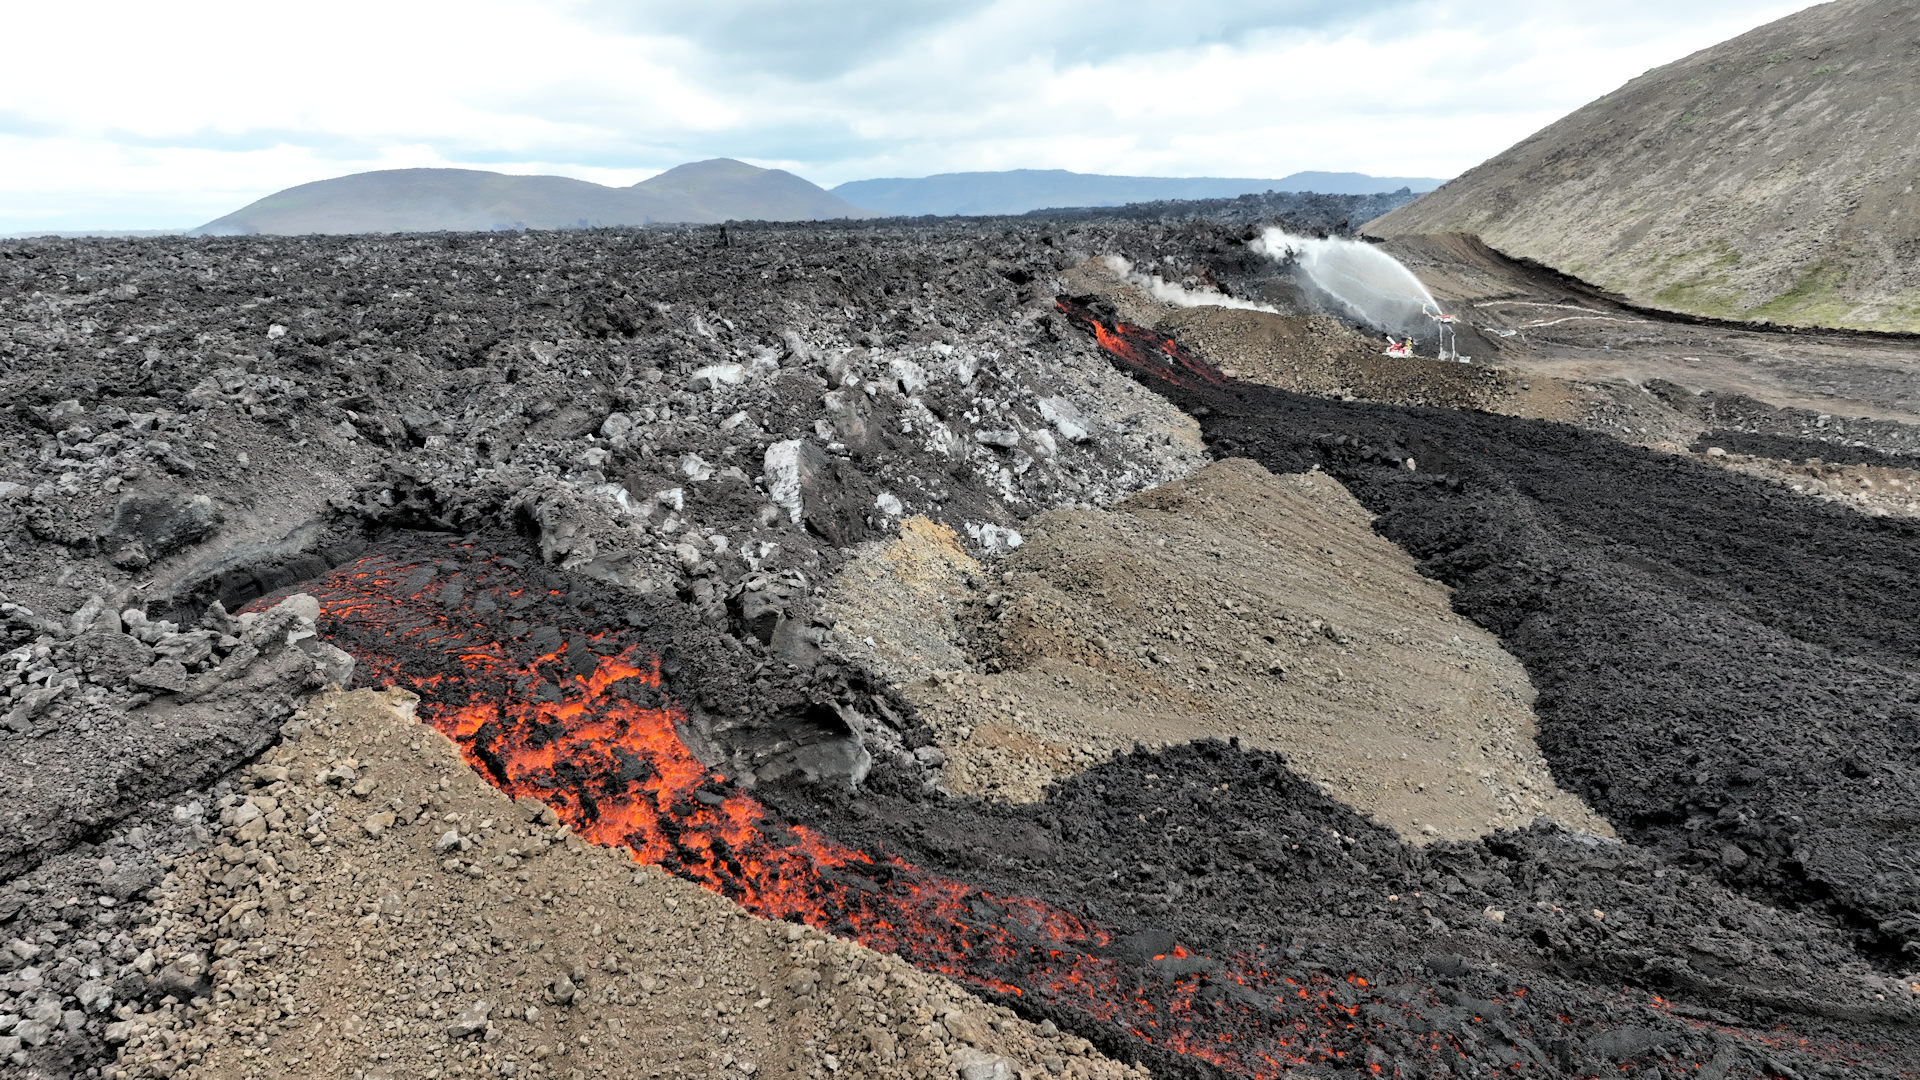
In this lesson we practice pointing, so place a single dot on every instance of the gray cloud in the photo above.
(817, 41)
(844, 89)
(795, 40)
(1089, 30)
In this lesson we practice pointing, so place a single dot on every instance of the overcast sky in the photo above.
(146, 115)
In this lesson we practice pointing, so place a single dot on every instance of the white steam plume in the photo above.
(1178, 295)
(1370, 284)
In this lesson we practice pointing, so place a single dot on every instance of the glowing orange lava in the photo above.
(1144, 351)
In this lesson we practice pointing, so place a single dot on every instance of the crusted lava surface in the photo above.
(1731, 673)
(1540, 952)
(551, 704)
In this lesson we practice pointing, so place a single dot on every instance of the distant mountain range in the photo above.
(1017, 191)
(465, 200)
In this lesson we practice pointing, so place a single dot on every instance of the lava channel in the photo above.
(1156, 358)
(576, 717)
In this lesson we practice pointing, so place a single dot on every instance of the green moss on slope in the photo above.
(1814, 300)
(1698, 282)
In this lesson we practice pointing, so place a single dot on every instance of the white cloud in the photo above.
(132, 115)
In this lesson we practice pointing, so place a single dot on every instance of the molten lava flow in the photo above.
(576, 719)
(1143, 351)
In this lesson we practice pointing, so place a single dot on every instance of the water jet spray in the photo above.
(1366, 284)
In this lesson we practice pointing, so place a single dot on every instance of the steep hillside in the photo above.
(431, 200)
(1771, 177)
(1017, 191)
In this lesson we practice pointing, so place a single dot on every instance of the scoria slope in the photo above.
(1768, 178)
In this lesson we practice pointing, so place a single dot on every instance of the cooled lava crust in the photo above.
(553, 694)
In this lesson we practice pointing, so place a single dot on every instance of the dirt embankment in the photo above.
(1309, 353)
(1317, 354)
(372, 907)
(1233, 604)
(1327, 357)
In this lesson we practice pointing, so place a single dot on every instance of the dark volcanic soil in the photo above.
(1790, 448)
(1742, 425)
(1730, 673)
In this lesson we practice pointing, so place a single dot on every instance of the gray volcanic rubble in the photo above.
(490, 466)
(1743, 425)
(1338, 213)
(112, 716)
(591, 363)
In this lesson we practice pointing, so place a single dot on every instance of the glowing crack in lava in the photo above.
(549, 702)
(1146, 353)
(576, 718)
